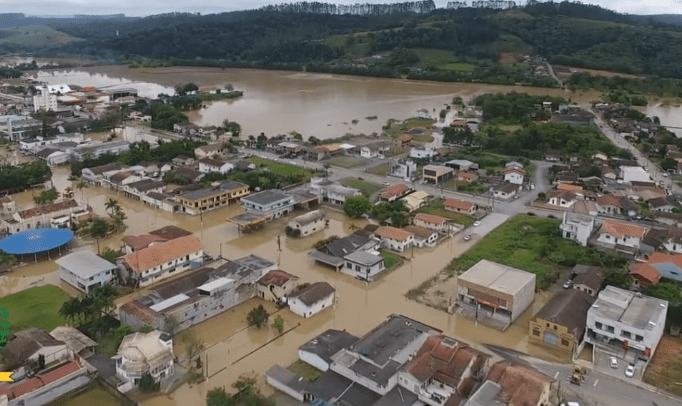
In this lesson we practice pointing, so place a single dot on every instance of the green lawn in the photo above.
(380, 170)
(475, 188)
(367, 188)
(348, 162)
(35, 307)
(94, 394)
(390, 259)
(280, 168)
(398, 128)
(436, 207)
(534, 245)
(308, 372)
(462, 67)
(422, 137)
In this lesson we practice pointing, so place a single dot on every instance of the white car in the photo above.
(467, 237)
(613, 362)
(477, 223)
(385, 183)
(630, 370)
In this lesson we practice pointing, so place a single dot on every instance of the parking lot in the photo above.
(602, 364)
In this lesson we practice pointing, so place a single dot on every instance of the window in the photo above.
(639, 338)
(625, 334)
(536, 332)
(555, 327)
(564, 342)
(598, 325)
(610, 329)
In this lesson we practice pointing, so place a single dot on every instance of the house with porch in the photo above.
(431, 222)
(394, 238)
(84, 270)
(623, 237)
(145, 353)
(460, 206)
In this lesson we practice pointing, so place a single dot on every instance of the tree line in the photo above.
(364, 9)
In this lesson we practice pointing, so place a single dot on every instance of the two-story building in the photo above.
(577, 227)
(514, 175)
(431, 222)
(609, 204)
(363, 264)
(85, 270)
(423, 236)
(96, 174)
(161, 261)
(40, 216)
(195, 202)
(421, 152)
(624, 320)
(269, 203)
(394, 238)
(436, 174)
(622, 237)
(145, 353)
(275, 285)
(403, 169)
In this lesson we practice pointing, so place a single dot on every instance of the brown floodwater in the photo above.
(277, 102)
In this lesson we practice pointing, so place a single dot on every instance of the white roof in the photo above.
(85, 263)
(58, 88)
(213, 285)
(169, 302)
(347, 146)
(498, 277)
(634, 173)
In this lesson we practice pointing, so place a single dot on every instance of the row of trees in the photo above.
(513, 107)
(16, 178)
(363, 9)
(90, 309)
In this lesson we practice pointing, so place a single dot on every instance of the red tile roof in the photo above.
(392, 233)
(620, 230)
(521, 386)
(520, 171)
(17, 390)
(458, 204)
(466, 175)
(430, 218)
(609, 200)
(48, 208)
(158, 254)
(646, 271)
(395, 190)
(142, 241)
(140, 312)
(276, 277)
(570, 188)
(404, 138)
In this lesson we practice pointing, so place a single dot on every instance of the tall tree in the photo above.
(98, 229)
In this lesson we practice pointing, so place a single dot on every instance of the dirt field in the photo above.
(665, 368)
(509, 58)
(563, 72)
(436, 292)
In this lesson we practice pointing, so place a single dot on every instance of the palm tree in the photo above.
(69, 309)
(80, 186)
(112, 204)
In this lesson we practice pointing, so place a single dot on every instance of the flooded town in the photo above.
(172, 235)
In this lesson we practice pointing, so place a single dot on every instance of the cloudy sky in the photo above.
(137, 8)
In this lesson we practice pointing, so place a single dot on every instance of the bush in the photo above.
(292, 232)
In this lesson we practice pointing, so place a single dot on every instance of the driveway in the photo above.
(104, 364)
(601, 364)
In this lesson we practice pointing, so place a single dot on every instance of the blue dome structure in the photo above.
(36, 242)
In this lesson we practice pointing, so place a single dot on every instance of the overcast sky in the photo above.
(137, 8)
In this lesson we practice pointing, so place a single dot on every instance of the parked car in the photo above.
(467, 237)
(568, 284)
(630, 370)
(477, 223)
(613, 362)
(386, 183)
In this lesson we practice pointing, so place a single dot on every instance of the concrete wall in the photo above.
(523, 298)
(313, 359)
(363, 272)
(83, 285)
(302, 310)
(49, 393)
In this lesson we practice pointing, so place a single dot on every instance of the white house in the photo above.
(394, 238)
(85, 270)
(374, 149)
(309, 223)
(207, 165)
(364, 265)
(319, 351)
(423, 236)
(562, 198)
(140, 354)
(422, 113)
(422, 152)
(404, 169)
(577, 227)
(514, 175)
(312, 299)
(505, 190)
(620, 316)
(621, 236)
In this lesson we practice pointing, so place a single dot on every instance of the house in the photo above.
(161, 201)
(422, 114)
(577, 227)
(423, 236)
(468, 177)
(402, 141)
(589, 282)
(319, 351)
(608, 173)
(644, 275)
(505, 190)
(29, 344)
(394, 238)
(275, 285)
(332, 192)
(76, 342)
(85, 270)
(53, 156)
(567, 187)
(161, 261)
(197, 201)
(516, 385)
(436, 174)
(289, 148)
(333, 254)
(192, 175)
(444, 371)
(560, 323)
(403, 169)
(210, 150)
(415, 200)
(431, 222)
(394, 192)
(312, 299)
(309, 223)
(561, 198)
(609, 204)
(462, 165)
(198, 295)
(364, 265)
(207, 165)
(501, 290)
(145, 353)
(96, 174)
(374, 361)
(40, 216)
(460, 206)
(623, 237)
(183, 160)
(621, 319)
(634, 174)
(374, 149)
(667, 266)
(133, 243)
(459, 124)
(186, 128)
(422, 152)
(662, 204)
(513, 164)
(268, 203)
(514, 175)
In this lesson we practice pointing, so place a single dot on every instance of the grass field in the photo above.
(390, 259)
(380, 170)
(94, 394)
(531, 244)
(346, 161)
(665, 369)
(309, 373)
(475, 188)
(35, 307)
(398, 128)
(422, 138)
(436, 207)
(37, 36)
(367, 188)
(280, 168)
(462, 67)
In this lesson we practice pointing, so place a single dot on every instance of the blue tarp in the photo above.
(36, 241)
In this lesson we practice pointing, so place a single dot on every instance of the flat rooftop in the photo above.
(266, 197)
(629, 308)
(501, 278)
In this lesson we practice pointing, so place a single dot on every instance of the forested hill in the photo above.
(461, 43)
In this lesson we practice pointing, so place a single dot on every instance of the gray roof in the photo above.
(364, 258)
(331, 385)
(309, 217)
(158, 196)
(328, 343)
(396, 397)
(344, 246)
(580, 268)
(592, 279)
(85, 263)
(629, 308)
(486, 395)
(313, 293)
(73, 338)
(498, 277)
(266, 197)
(568, 308)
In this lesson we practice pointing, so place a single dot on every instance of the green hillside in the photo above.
(38, 36)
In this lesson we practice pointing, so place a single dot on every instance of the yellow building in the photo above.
(211, 198)
(437, 174)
